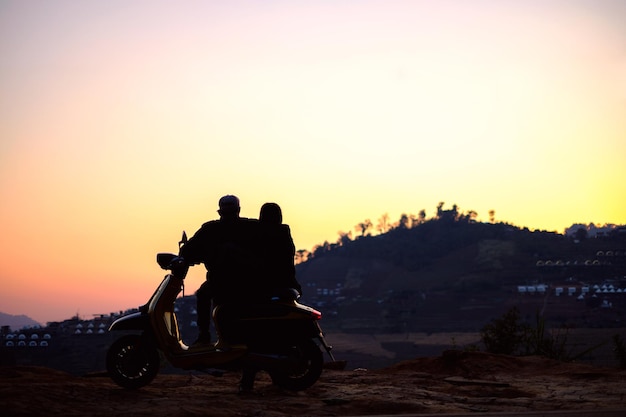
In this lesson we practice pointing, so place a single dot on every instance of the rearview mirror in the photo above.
(183, 240)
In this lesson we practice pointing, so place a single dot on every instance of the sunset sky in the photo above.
(123, 122)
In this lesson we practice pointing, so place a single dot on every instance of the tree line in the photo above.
(384, 225)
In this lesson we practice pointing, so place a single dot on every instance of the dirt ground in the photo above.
(454, 382)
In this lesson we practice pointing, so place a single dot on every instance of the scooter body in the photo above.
(280, 336)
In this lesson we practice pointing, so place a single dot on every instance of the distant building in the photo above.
(594, 231)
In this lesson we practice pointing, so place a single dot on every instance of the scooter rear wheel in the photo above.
(305, 367)
(131, 362)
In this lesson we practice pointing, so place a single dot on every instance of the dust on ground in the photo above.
(454, 382)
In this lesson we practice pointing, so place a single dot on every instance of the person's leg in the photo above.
(247, 380)
(203, 307)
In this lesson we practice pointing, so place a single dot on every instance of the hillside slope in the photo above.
(444, 275)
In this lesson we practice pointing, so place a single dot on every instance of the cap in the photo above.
(229, 203)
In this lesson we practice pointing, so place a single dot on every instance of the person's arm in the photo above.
(195, 250)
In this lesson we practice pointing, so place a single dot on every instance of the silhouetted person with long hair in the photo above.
(276, 269)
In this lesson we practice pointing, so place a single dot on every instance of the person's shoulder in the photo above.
(247, 222)
(208, 228)
(279, 231)
(210, 224)
(272, 226)
(245, 226)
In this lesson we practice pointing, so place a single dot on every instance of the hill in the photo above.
(16, 322)
(454, 274)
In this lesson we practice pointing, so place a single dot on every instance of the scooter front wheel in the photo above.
(305, 363)
(132, 362)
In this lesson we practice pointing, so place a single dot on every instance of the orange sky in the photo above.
(123, 122)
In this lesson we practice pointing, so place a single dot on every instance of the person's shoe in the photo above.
(202, 341)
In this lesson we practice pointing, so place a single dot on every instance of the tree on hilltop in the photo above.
(364, 227)
(383, 224)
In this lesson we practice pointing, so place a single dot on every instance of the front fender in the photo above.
(132, 321)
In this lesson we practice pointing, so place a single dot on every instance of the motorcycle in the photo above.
(279, 336)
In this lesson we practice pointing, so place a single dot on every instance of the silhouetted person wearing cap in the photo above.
(226, 248)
